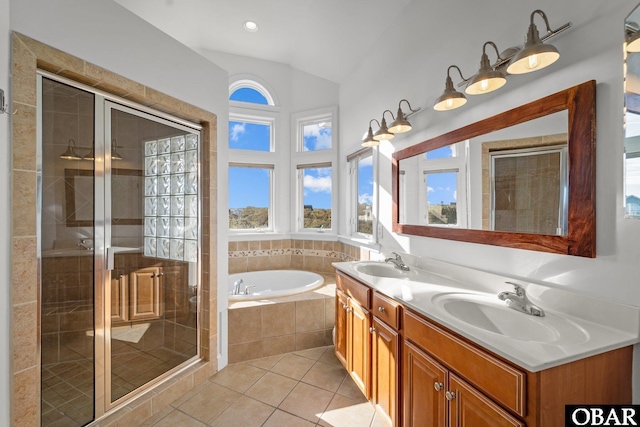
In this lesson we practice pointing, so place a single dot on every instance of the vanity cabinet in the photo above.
(419, 373)
(353, 330)
(137, 296)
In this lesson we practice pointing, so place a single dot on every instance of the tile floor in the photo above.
(298, 389)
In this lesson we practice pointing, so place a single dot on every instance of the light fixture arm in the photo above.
(544, 16)
(412, 110)
(390, 112)
(484, 52)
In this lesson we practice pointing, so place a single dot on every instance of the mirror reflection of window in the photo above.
(527, 190)
(441, 197)
(632, 165)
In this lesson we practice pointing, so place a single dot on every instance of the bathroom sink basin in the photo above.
(382, 269)
(490, 314)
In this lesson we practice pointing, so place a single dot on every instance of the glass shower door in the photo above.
(153, 240)
(66, 240)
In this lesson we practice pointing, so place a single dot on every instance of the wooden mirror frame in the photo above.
(580, 101)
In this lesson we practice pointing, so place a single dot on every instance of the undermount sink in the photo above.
(489, 313)
(382, 269)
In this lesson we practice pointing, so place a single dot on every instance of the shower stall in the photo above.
(119, 245)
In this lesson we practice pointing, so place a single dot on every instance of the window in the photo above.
(250, 197)
(443, 187)
(313, 158)
(250, 134)
(361, 210)
(253, 160)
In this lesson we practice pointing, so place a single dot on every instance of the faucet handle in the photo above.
(519, 289)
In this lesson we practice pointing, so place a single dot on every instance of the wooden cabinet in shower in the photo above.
(137, 296)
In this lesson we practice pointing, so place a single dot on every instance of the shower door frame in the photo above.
(102, 233)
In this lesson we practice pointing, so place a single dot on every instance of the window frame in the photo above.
(353, 195)
(299, 158)
(261, 114)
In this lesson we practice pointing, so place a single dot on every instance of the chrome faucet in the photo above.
(397, 262)
(518, 301)
(236, 286)
(85, 244)
(247, 288)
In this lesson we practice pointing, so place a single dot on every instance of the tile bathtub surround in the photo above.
(309, 255)
(297, 389)
(27, 56)
(299, 322)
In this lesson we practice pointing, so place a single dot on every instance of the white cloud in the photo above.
(237, 130)
(367, 161)
(317, 185)
(321, 137)
(430, 189)
(365, 199)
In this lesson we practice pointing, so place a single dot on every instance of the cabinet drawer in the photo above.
(500, 381)
(356, 290)
(386, 309)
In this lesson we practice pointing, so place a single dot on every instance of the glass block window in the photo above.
(171, 198)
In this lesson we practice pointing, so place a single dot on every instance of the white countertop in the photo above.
(575, 326)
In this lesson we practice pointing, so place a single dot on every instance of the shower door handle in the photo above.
(110, 262)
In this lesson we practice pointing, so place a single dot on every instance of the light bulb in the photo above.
(484, 85)
(449, 104)
(533, 61)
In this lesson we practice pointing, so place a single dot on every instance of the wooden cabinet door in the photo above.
(470, 408)
(425, 384)
(340, 344)
(119, 299)
(359, 346)
(384, 371)
(145, 301)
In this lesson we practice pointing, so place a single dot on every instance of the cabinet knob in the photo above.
(381, 309)
(344, 306)
(450, 395)
(160, 274)
(372, 329)
(438, 386)
(349, 309)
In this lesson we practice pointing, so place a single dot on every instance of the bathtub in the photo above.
(273, 283)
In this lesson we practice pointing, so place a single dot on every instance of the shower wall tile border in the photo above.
(29, 55)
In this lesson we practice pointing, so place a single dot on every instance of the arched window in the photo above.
(253, 158)
(245, 90)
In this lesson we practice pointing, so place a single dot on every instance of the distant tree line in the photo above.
(248, 218)
(317, 218)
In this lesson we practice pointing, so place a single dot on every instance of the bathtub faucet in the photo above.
(236, 286)
(248, 288)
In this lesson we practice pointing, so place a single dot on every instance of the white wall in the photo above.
(5, 240)
(591, 49)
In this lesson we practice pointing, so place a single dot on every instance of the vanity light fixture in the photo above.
(369, 140)
(383, 133)
(114, 153)
(450, 98)
(71, 153)
(90, 155)
(535, 55)
(401, 124)
(488, 78)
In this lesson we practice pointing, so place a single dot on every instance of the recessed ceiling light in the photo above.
(251, 26)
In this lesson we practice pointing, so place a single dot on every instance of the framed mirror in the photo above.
(632, 116)
(523, 179)
(127, 210)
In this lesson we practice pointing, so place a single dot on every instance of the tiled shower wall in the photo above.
(308, 255)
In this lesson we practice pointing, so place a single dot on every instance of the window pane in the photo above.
(249, 197)
(249, 136)
(246, 94)
(632, 184)
(445, 152)
(316, 136)
(365, 195)
(441, 198)
(316, 188)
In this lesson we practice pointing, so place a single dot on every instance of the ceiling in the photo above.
(326, 38)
